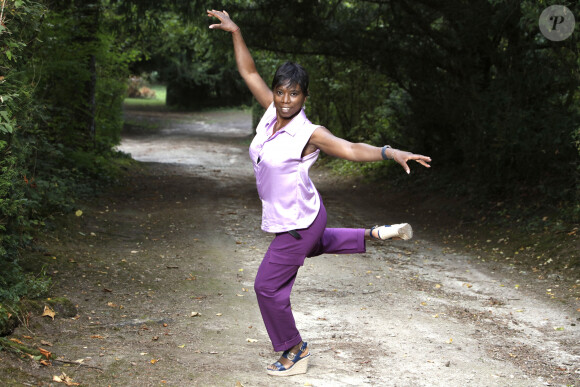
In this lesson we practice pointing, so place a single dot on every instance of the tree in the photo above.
(472, 83)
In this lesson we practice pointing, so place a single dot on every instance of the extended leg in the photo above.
(340, 241)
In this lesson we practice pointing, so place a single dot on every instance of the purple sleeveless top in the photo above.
(289, 199)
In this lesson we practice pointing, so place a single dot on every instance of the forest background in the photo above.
(473, 83)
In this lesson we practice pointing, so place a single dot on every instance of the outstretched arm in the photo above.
(244, 60)
(338, 147)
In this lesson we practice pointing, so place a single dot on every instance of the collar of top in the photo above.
(293, 125)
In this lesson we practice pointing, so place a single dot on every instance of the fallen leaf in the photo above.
(195, 314)
(79, 213)
(97, 337)
(17, 341)
(467, 285)
(48, 312)
(45, 353)
(63, 378)
(153, 361)
(45, 363)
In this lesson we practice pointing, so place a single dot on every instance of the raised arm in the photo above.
(244, 60)
(324, 140)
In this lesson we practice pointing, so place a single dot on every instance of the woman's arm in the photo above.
(338, 147)
(244, 60)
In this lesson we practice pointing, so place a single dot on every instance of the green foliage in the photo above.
(16, 107)
(61, 91)
(15, 284)
(198, 73)
(6, 124)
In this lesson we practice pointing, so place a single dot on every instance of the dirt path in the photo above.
(162, 270)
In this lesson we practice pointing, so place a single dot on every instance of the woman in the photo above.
(285, 146)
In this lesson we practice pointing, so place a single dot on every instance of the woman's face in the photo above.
(288, 100)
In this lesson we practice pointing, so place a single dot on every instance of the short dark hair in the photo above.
(291, 73)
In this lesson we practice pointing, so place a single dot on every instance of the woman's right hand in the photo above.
(226, 23)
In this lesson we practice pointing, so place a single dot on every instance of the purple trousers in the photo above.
(280, 265)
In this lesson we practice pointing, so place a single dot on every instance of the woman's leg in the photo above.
(340, 241)
(273, 285)
(352, 240)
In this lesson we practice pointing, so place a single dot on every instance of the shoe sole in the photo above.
(406, 232)
(403, 231)
(300, 367)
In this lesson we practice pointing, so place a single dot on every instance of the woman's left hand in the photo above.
(402, 157)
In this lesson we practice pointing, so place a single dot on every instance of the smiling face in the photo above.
(288, 100)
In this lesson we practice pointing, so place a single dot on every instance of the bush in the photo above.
(62, 87)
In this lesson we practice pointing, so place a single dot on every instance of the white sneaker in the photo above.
(402, 230)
